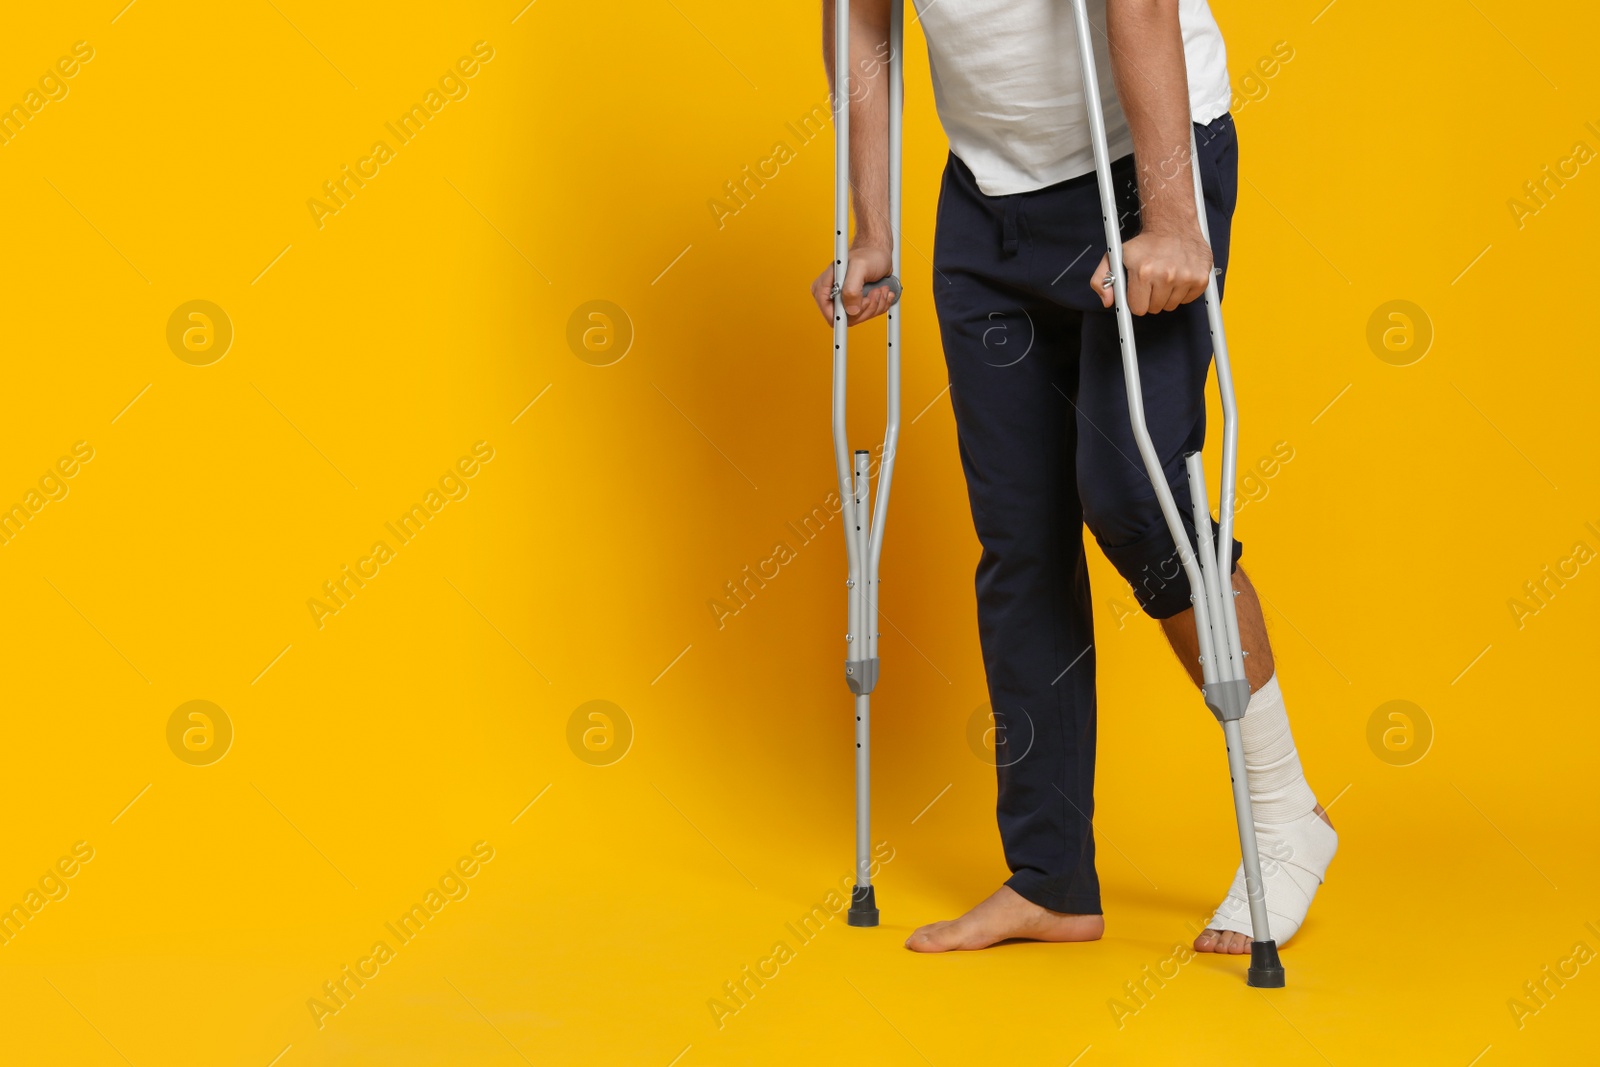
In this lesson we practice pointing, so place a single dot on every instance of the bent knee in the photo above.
(1119, 511)
(1133, 534)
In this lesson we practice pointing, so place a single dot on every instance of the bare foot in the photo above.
(1004, 914)
(1231, 942)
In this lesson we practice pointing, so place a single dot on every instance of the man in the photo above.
(1041, 413)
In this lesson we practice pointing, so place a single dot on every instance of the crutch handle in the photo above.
(889, 281)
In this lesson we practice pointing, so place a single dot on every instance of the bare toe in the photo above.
(1227, 942)
(921, 939)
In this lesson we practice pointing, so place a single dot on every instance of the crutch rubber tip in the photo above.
(864, 907)
(1265, 970)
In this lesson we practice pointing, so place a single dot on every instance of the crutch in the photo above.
(863, 521)
(1221, 657)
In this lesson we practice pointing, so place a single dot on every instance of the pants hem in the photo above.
(1038, 890)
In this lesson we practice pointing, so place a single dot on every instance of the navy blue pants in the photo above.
(1042, 420)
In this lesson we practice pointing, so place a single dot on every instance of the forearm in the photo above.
(869, 112)
(1153, 86)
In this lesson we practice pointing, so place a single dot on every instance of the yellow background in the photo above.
(370, 754)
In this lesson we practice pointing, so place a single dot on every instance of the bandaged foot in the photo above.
(1294, 838)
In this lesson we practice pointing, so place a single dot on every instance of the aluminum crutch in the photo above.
(863, 521)
(1216, 624)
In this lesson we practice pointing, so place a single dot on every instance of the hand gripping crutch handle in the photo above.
(863, 516)
(1221, 657)
(889, 282)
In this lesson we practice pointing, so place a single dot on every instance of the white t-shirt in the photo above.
(1007, 84)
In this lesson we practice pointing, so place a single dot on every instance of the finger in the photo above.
(860, 312)
(877, 302)
(881, 299)
(1138, 292)
(855, 276)
(871, 306)
(1161, 294)
(826, 293)
(1098, 280)
(1187, 291)
(822, 292)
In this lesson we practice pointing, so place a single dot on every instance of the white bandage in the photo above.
(1296, 846)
